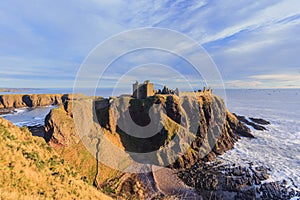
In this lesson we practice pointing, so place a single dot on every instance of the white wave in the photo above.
(20, 110)
(29, 116)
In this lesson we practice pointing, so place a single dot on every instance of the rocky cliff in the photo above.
(202, 121)
(200, 117)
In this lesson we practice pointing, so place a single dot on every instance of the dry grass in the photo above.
(30, 169)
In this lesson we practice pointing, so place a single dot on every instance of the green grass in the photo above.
(6, 134)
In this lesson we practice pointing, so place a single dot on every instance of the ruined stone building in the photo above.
(144, 90)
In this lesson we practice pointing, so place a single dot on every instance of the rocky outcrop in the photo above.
(256, 123)
(32, 100)
(259, 121)
(60, 128)
(236, 124)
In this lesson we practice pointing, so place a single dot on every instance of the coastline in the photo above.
(220, 170)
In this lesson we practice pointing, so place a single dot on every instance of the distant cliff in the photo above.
(9, 90)
(31, 100)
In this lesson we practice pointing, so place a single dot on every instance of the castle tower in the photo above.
(141, 91)
(149, 88)
(135, 89)
(177, 92)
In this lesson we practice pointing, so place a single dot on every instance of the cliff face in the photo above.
(60, 128)
(30, 169)
(32, 100)
(203, 118)
(202, 121)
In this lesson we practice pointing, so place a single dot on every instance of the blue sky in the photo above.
(255, 44)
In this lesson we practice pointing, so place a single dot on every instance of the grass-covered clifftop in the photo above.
(31, 169)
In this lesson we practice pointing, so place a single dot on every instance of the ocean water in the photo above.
(29, 116)
(278, 148)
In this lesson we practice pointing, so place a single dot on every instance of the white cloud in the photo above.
(267, 81)
(265, 17)
(278, 77)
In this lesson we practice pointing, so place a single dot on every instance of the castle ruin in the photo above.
(144, 90)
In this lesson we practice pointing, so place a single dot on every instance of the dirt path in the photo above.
(170, 185)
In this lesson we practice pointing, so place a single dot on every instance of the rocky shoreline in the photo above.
(217, 180)
(4, 111)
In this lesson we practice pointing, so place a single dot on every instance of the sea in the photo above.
(277, 148)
